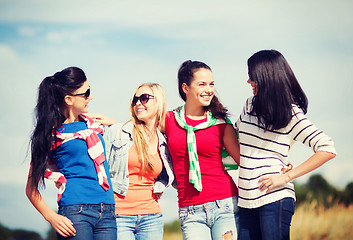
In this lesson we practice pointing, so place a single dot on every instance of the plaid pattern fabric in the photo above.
(194, 166)
(95, 151)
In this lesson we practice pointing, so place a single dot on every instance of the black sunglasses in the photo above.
(143, 99)
(85, 94)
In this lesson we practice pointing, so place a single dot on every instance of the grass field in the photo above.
(312, 221)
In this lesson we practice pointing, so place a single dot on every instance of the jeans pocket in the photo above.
(158, 215)
(111, 210)
(183, 214)
(70, 210)
(288, 205)
(229, 204)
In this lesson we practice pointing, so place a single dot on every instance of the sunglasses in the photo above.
(85, 94)
(143, 99)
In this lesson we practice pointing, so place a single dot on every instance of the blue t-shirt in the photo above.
(73, 161)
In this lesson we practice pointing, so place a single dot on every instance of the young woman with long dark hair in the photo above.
(271, 121)
(67, 147)
(197, 132)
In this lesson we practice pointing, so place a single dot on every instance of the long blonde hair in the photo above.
(140, 128)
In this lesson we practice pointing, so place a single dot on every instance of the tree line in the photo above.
(317, 188)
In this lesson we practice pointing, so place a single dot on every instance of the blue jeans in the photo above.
(212, 220)
(140, 227)
(269, 222)
(91, 221)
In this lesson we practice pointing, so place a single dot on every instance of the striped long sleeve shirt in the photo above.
(265, 152)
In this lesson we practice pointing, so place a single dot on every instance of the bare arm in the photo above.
(105, 120)
(61, 224)
(231, 143)
(315, 161)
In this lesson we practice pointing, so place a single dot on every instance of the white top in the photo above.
(265, 152)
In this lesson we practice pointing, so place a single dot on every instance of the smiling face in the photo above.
(146, 112)
(201, 89)
(253, 85)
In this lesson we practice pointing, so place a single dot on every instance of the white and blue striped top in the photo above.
(265, 152)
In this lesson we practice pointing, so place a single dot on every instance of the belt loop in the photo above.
(190, 209)
(218, 204)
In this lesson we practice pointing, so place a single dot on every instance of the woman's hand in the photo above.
(105, 120)
(272, 181)
(287, 168)
(62, 225)
(158, 195)
(275, 180)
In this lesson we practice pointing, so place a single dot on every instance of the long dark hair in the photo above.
(277, 89)
(186, 75)
(48, 116)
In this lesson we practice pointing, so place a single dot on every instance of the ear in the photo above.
(185, 88)
(68, 100)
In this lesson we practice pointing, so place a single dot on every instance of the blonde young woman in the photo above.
(140, 170)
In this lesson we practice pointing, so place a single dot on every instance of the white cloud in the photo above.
(73, 37)
(188, 19)
(28, 31)
(7, 54)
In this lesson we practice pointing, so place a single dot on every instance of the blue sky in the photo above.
(121, 44)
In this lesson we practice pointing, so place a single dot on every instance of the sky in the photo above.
(121, 44)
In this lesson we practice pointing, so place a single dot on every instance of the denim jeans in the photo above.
(213, 220)
(269, 222)
(140, 227)
(91, 221)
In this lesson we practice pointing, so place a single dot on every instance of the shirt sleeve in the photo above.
(302, 130)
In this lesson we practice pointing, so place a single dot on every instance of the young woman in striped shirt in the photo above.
(271, 121)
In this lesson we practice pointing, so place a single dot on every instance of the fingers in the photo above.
(105, 120)
(64, 227)
(66, 230)
(58, 185)
(157, 195)
(265, 184)
(272, 181)
(99, 120)
(269, 182)
(287, 168)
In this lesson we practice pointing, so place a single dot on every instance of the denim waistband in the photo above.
(101, 206)
(202, 207)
